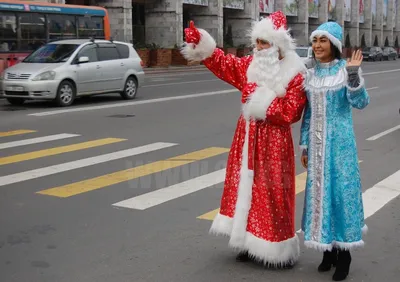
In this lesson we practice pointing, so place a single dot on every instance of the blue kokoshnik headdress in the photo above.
(333, 31)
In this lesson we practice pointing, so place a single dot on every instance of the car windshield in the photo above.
(52, 53)
(302, 52)
(366, 49)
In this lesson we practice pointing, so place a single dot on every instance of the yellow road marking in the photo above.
(15, 132)
(58, 150)
(132, 173)
(301, 180)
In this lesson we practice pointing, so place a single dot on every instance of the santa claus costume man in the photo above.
(258, 201)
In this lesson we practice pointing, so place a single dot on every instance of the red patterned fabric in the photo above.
(278, 19)
(271, 154)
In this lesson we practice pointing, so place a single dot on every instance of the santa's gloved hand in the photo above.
(248, 90)
(192, 34)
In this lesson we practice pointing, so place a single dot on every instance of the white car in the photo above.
(66, 69)
(306, 54)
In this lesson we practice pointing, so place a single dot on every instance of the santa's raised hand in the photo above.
(192, 34)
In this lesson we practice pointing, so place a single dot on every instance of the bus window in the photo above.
(8, 32)
(33, 32)
(61, 27)
(90, 27)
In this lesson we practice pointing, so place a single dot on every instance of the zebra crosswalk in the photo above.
(374, 198)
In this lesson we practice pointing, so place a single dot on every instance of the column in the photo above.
(164, 23)
(120, 13)
(209, 18)
(366, 27)
(340, 16)
(299, 24)
(241, 21)
(397, 24)
(390, 24)
(322, 16)
(377, 29)
(354, 24)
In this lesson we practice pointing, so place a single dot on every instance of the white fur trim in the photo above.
(201, 51)
(244, 198)
(362, 82)
(265, 30)
(291, 65)
(318, 246)
(222, 225)
(349, 246)
(331, 38)
(274, 253)
(339, 245)
(280, 90)
(257, 106)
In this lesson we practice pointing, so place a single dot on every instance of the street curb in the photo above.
(173, 69)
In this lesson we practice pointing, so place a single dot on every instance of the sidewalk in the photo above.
(174, 69)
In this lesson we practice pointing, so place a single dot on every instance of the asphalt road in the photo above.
(63, 214)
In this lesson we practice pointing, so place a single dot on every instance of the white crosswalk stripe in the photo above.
(172, 192)
(37, 140)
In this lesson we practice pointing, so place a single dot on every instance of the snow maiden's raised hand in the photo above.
(355, 60)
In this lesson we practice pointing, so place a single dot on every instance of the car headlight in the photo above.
(47, 75)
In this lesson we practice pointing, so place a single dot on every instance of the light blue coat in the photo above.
(333, 213)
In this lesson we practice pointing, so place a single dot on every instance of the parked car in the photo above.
(372, 53)
(389, 53)
(306, 54)
(66, 69)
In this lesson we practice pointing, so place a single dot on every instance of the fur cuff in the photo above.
(201, 51)
(360, 86)
(259, 103)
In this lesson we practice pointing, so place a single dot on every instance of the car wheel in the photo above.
(130, 89)
(66, 93)
(16, 101)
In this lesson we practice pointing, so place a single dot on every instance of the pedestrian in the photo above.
(258, 200)
(333, 218)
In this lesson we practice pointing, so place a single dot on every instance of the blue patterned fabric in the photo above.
(333, 210)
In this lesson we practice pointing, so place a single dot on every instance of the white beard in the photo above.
(265, 67)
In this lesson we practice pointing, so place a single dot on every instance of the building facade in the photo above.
(161, 22)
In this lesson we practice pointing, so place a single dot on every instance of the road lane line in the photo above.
(377, 136)
(36, 140)
(172, 192)
(380, 72)
(301, 180)
(130, 174)
(54, 169)
(16, 132)
(184, 82)
(381, 193)
(58, 150)
(134, 103)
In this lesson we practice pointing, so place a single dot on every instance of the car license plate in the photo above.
(15, 88)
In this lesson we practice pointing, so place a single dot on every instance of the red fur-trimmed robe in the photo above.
(258, 201)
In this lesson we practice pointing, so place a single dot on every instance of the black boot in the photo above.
(242, 256)
(343, 266)
(329, 259)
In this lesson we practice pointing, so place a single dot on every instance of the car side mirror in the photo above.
(83, 60)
